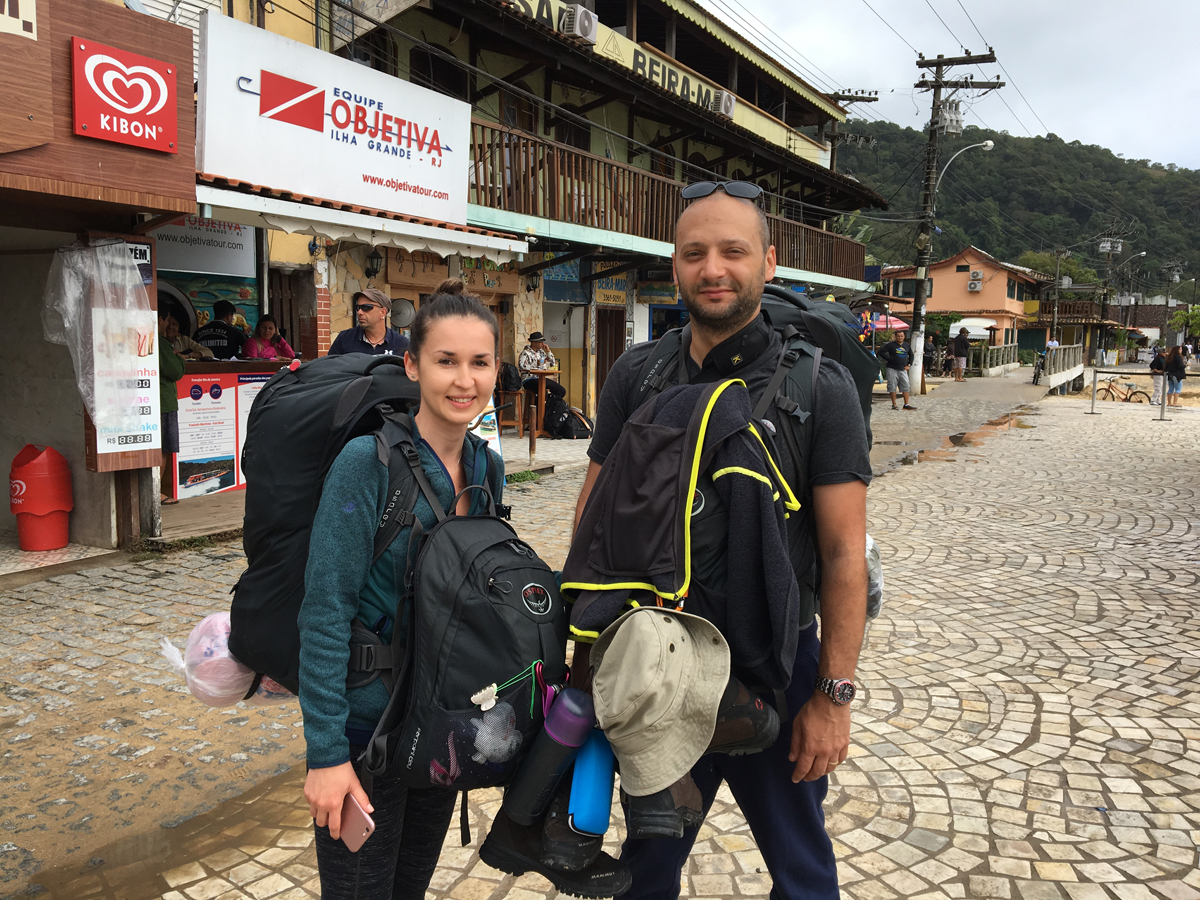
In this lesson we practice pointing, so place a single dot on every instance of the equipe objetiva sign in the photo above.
(123, 97)
(275, 112)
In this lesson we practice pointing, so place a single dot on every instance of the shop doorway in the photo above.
(610, 341)
(292, 300)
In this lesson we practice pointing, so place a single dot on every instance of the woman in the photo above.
(267, 342)
(453, 356)
(1176, 371)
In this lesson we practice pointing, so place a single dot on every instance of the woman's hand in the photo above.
(326, 790)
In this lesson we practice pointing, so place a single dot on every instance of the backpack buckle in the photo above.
(410, 454)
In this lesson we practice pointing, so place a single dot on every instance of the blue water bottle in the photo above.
(592, 785)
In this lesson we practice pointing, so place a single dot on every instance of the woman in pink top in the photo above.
(267, 342)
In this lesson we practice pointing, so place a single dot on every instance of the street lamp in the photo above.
(924, 257)
(986, 145)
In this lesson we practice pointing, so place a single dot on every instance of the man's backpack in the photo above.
(576, 426)
(510, 377)
(299, 423)
(657, 528)
(487, 631)
(811, 330)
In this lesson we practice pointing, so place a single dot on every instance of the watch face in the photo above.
(843, 691)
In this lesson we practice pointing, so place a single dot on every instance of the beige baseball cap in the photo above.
(658, 680)
(374, 295)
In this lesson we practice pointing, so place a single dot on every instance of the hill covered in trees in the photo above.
(1028, 194)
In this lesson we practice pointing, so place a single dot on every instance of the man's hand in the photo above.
(820, 738)
(326, 790)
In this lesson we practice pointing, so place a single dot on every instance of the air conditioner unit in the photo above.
(974, 285)
(723, 103)
(579, 22)
(977, 275)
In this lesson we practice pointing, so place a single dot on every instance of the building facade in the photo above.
(992, 297)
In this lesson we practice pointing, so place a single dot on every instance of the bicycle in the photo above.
(1129, 393)
(1038, 367)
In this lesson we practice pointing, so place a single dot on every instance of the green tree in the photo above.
(1186, 320)
(939, 324)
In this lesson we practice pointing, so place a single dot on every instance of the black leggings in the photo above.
(398, 860)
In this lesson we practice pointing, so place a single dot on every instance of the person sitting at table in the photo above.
(182, 344)
(537, 355)
(267, 342)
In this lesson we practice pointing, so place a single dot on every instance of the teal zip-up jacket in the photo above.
(340, 583)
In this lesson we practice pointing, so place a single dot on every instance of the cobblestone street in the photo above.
(1030, 728)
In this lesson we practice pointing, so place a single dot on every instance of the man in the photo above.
(537, 355)
(1051, 344)
(220, 335)
(371, 334)
(170, 370)
(182, 344)
(1158, 365)
(962, 346)
(722, 260)
(896, 354)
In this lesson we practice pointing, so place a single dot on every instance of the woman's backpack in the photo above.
(299, 423)
(487, 631)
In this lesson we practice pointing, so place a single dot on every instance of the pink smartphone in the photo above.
(357, 826)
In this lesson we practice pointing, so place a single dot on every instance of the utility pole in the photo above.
(845, 98)
(941, 120)
(1111, 242)
(1059, 256)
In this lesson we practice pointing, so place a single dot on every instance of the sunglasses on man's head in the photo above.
(365, 307)
(743, 190)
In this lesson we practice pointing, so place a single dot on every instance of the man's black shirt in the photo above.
(354, 340)
(224, 340)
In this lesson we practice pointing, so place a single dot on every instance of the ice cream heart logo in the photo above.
(104, 74)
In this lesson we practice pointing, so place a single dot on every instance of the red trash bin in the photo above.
(39, 491)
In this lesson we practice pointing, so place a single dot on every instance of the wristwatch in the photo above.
(840, 690)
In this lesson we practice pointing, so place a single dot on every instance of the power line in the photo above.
(889, 25)
(947, 27)
(756, 28)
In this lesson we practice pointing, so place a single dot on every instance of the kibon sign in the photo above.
(123, 97)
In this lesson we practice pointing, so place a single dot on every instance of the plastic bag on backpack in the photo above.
(213, 676)
(874, 579)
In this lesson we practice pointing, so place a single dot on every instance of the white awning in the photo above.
(339, 225)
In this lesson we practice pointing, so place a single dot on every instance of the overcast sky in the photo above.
(1118, 74)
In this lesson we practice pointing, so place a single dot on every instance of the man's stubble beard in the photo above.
(736, 316)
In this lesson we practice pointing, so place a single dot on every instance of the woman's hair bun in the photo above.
(453, 286)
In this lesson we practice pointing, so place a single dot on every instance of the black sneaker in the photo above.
(665, 814)
(517, 849)
(744, 723)
(563, 848)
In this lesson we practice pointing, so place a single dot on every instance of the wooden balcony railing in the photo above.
(518, 172)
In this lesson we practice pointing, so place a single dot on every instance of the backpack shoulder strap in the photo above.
(406, 477)
(793, 346)
(654, 378)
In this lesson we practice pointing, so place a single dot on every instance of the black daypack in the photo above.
(556, 416)
(510, 377)
(487, 631)
(655, 529)
(575, 427)
(299, 423)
